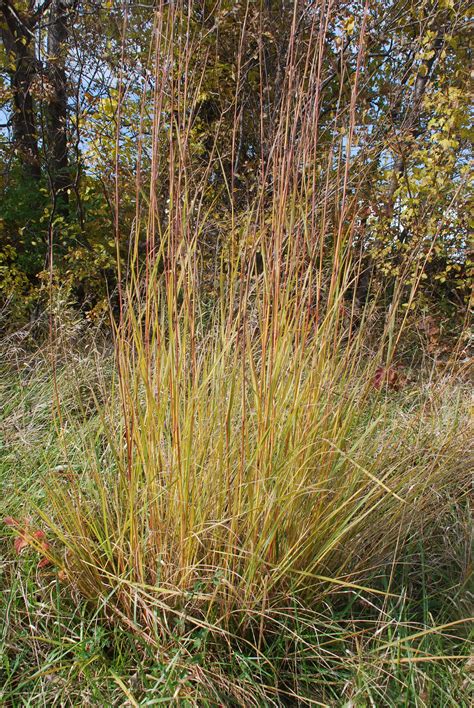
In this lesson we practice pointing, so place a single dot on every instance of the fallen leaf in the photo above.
(26, 538)
(10, 521)
(388, 376)
(20, 543)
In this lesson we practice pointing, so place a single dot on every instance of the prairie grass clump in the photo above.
(249, 457)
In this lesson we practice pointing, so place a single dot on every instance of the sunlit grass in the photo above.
(268, 636)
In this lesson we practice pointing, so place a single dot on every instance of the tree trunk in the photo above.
(18, 40)
(57, 111)
(23, 121)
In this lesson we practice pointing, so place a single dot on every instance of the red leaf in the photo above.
(25, 538)
(20, 543)
(44, 562)
(378, 378)
(10, 521)
(388, 376)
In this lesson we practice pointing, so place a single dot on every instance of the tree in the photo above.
(18, 36)
(366, 101)
(39, 80)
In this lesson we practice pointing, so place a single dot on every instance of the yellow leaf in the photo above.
(349, 24)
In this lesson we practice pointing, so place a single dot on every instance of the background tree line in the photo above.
(86, 125)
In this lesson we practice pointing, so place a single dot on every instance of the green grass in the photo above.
(409, 647)
(57, 652)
